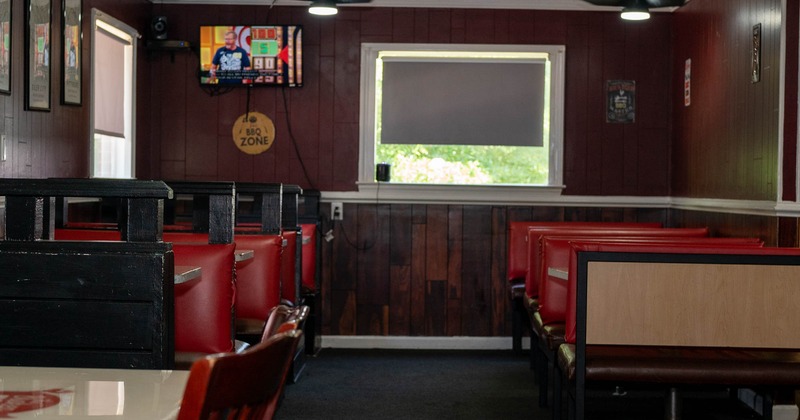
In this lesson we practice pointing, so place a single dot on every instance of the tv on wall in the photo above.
(256, 55)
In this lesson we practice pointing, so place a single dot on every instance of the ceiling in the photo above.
(452, 4)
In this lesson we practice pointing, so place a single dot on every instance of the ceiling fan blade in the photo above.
(353, 1)
(649, 3)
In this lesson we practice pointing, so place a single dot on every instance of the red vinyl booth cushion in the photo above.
(534, 254)
(258, 280)
(556, 253)
(309, 256)
(185, 237)
(203, 306)
(572, 283)
(178, 227)
(87, 235)
(518, 241)
(288, 267)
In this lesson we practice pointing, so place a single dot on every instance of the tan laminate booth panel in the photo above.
(699, 305)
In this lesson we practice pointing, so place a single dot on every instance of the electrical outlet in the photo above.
(337, 211)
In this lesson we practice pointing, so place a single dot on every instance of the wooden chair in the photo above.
(247, 385)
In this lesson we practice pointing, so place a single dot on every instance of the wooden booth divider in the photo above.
(85, 303)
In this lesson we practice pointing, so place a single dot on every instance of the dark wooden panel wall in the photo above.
(192, 130)
(56, 143)
(430, 270)
(726, 141)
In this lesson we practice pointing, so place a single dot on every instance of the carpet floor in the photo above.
(437, 385)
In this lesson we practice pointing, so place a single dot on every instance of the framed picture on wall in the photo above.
(37, 54)
(5, 46)
(72, 63)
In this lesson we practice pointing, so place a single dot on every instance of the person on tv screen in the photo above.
(230, 57)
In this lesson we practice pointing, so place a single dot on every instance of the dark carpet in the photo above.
(402, 384)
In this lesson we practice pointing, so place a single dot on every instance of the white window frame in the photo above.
(129, 34)
(398, 192)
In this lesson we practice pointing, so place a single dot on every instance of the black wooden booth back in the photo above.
(85, 304)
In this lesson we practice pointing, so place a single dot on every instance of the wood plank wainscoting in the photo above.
(430, 270)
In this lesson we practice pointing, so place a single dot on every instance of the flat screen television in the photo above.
(256, 55)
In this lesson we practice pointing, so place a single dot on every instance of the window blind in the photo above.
(109, 90)
(462, 102)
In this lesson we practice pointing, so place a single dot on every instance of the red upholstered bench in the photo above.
(258, 283)
(517, 268)
(258, 279)
(87, 235)
(555, 252)
(547, 319)
(290, 265)
(309, 244)
(706, 327)
(204, 306)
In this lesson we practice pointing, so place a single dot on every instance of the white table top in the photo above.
(56, 393)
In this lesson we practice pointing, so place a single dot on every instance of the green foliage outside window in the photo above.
(468, 165)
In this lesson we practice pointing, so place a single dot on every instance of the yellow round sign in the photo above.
(253, 133)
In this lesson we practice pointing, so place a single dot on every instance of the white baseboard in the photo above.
(419, 343)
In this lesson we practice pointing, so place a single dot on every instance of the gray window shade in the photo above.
(465, 103)
(109, 89)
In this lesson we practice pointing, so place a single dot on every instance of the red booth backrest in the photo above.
(185, 237)
(556, 251)
(309, 256)
(258, 280)
(289, 290)
(203, 306)
(572, 283)
(87, 235)
(534, 255)
(518, 241)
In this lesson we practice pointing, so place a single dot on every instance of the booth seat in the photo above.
(290, 292)
(548, 320)
(258, 282)
(309, 251)
(721, 319)
(204, 306)
(517, 265)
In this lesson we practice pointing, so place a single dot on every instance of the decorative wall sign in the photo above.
(253, 133)
(756, 65)
(621, 101)
(5, 46)
(37, 48)
(71, 52)
(687, 82)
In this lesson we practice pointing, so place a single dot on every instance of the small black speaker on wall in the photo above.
(158, 27)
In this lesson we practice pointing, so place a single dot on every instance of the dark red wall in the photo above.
(193, 128)
(726, 142)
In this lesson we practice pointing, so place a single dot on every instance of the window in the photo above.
(113, 100)
(463, 115)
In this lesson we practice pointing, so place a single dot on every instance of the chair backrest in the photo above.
(246, 385)
(283, 318)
